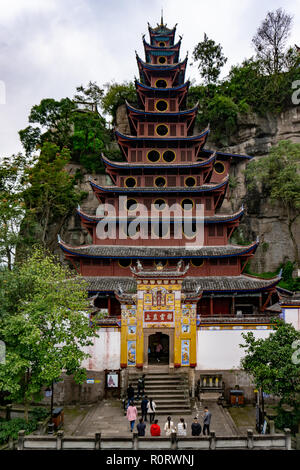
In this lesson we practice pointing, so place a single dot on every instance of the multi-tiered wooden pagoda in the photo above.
(152, 283)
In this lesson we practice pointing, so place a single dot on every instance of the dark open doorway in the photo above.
(158, 349)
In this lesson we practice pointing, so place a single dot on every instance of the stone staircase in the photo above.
(169, 391)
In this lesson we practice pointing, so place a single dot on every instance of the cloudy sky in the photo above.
(48, 47)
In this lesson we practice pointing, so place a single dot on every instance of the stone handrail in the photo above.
(99, 442)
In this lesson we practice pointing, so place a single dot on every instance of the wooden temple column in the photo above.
(211, 305)
(109, 305)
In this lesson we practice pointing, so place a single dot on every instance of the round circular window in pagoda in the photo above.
(189, 230)
(162, 44)
(190, 181)
(169, 156)
(131, 204)
(161, 105)
(130, 182)
(160, 182)
(124, 263)
(187, 204)
(197, 263)
(153, 156)
(161, 83)
(219, 168)
(160, 230)
(162, 60)
(160, 204)
(162, 130)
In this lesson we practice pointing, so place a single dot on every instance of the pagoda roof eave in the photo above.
(129, 165)
(156, 252)
(166, 189)
(223, 218)
(132, 138)
(161, 29)
(193, 111)
(226, 154)
(175, 47)
(144, 87)
(161, 68)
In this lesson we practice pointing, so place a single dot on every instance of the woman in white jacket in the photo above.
(169, 427)
(181, 428)
(151, 407)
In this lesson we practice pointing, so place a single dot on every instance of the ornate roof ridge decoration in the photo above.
(167, 67)
(159, 113)
(208, 219)
(167, 189)
(149, 88)
(174, 46)
(204, 133)
(155, 252)
(125, 164)
(139, 271)
(161, 28)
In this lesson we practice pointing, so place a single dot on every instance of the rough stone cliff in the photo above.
(255, 136)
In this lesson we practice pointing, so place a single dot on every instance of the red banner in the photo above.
(157, 317)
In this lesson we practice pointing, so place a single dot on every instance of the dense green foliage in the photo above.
(11, 428)
(116, 95)
(272, 363)
(44, 324)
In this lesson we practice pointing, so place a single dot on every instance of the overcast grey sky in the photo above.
(48, 47)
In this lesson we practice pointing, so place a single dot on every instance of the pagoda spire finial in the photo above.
(162, 18)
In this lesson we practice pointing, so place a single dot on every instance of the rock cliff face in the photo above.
(255, 136)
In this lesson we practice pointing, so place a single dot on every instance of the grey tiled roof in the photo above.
(155, 252)
(205, 284)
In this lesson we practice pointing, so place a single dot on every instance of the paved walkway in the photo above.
(108, 418)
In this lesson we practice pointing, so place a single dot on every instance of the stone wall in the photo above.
(67, 392)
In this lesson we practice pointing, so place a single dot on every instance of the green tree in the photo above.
(48, 330)
(54, 119)
(91, 94)
(115, 96)
(210, 59)
(270, 41)
(11, 206)
(273, 364)
(50, 195)
(279, 177)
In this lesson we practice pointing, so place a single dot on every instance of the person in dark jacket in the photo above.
(144, 404)
(196, 427)
(141, 427)
(206, 421)
(130, 394)
(141, 386)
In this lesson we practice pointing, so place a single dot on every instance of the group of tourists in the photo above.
(148, 408)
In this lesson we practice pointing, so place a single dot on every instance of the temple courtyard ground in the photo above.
(108, 418)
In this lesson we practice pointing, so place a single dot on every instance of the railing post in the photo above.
(21, 436)
(11, 443)
(174, 441)
(59, 440)
(98, 441)
(288, 439)
(8, 412)
(272, 427)
(250, 443)
(212, 439)
(135, 441)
